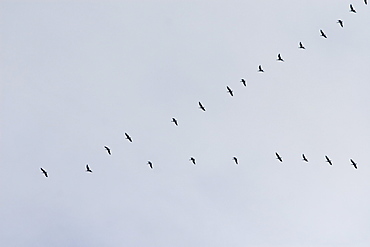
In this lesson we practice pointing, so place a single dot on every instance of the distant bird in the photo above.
(174, 121)
(201, 107)
(244, 82)
(88, 168)
(192, 160)
(323, 34)
(340, 23)
(301, 46)
(278, 157)
(354, 164)
(365, 2)
(108, 150)
(128, 137)
(235, 160)
(150, 164)
(260, 69)
(45, 173)
(229, 91)
(279, 58)
(351, 9)
(328, 160)
(304, 158)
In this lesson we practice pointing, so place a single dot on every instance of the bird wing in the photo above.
(201, 106)
(45, 173)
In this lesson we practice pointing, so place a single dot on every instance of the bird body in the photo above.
(301, 46)
(229, 91)
(328, 160)
(278, 157)
(128, 137)
(108, 150)
(235, 160)
(45, 173)
(279, 58)
(340, 23)
(192, 159)
(88, 168)
(351, 9)
(150, 164)
(174, 121)
(260, 69)
(201, 106)
(244, 82)
(323, 34)
(354, 164)
(304, 158)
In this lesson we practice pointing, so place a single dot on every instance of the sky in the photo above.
(77, 75)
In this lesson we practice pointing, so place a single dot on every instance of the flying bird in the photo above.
(128, 137)
(354, 164)
(88, 168)
(229, 91)
(351, 9)
(279, 58)
(108, 150)
(304, 158)
(340, 23)
(244, 82)
(278, 157)
(45, 173)
(235, 160)
(174, 121)
(301, 46)
(328, 160)
(201, 106)
(260, 69)
(323, 34)
(192, 160)
(150, 164)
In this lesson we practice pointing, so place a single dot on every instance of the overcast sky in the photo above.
(77, 75)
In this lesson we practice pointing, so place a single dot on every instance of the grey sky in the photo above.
(77, 76)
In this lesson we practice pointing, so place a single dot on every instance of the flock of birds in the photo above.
(243, 81)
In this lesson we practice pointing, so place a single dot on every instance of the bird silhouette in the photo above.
(304, 158)
(128, 137)
(201, 106)
(354, 164)
(174, 121)
(278, 157)
(244, 82)
(365, 1)
(235, 160)
(192, 159)
(45, 173)
(279, 58)
(150, 164)
(340, 23)
(108, 150)
(88, 168)
(351, 9)
(328, 160)
(229, 91)
(323, 34)
(260, 69)
(301, 46)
